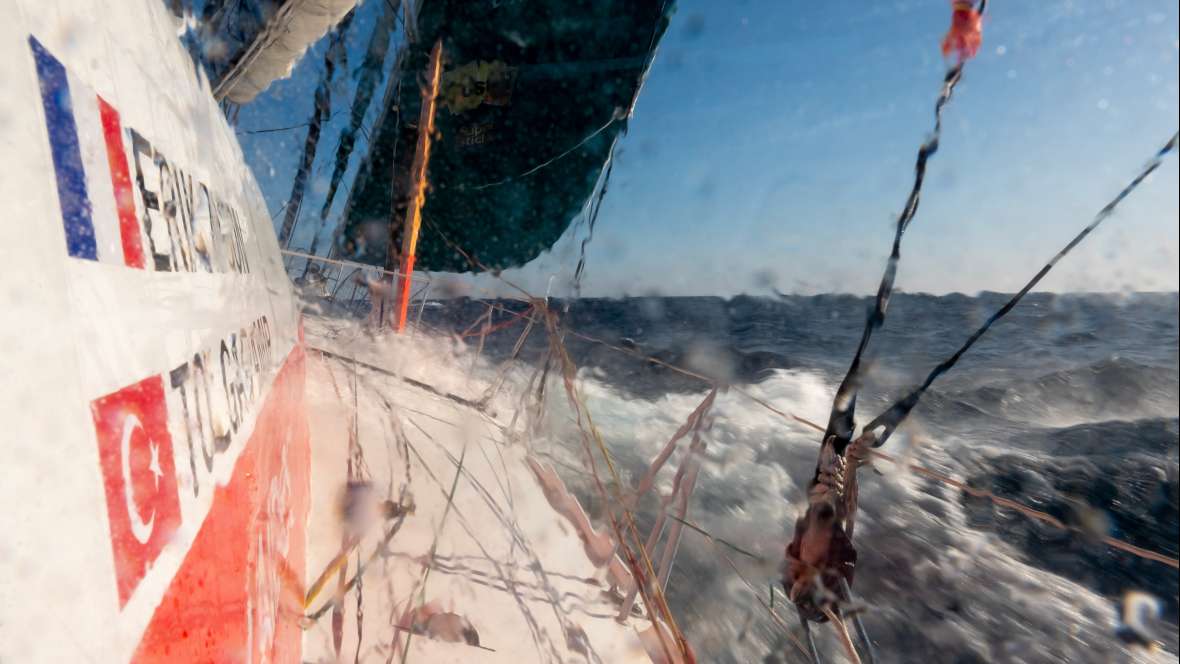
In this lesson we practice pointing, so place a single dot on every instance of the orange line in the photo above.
(418, 184)
(1030, 512)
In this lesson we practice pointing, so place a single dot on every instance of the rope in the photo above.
(498, 326)
(841, 421)
(569, 371)
(613, 118)
(841, 418)
(893, 417)
(301, 125)
(421, 586)
(758, 596)
(595, 206)
(1031, 513)
(1027, 511)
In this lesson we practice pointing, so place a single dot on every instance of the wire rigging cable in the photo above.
(841, 421)
(890, 419)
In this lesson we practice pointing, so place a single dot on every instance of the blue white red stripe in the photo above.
(90, 162)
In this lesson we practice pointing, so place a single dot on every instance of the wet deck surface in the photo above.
(498, 562)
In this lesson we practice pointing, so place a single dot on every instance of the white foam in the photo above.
(934, 587)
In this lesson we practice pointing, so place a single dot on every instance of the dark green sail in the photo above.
(533, 96)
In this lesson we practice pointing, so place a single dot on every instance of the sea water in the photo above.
(1069, 406)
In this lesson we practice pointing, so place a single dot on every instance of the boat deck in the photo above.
(484, 549)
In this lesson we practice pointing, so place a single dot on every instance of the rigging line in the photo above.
(434, 547)
(360, 613)
(770, 609)
(279, 211)
(895, 415)
(508, 522)
(841, 420)
(716, 540)
(468, 331)
(685, 372)
(490, 329)
(842, 634)
(692, 374)
(951, 79)
(335, 565)
(981, 493)
(405, 379)
(1004, 502)
(502, 372)
(615, 117)
(1027, 511)
(297, 126)
(656, 592)
(463, 522)
(596, 205)
(475, 262)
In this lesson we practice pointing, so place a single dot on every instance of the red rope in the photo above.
(516, 317)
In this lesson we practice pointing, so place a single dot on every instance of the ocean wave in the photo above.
(1109, 478)
(1115, 388)
(941, 580)
(1069, 408)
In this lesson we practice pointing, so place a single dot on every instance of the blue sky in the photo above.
(773, 144)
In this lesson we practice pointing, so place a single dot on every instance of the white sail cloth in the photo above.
(296, 25)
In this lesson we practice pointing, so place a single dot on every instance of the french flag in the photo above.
(90, 161)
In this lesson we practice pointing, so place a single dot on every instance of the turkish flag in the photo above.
(139, 473)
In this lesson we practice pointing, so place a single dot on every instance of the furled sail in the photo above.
(245, 45)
